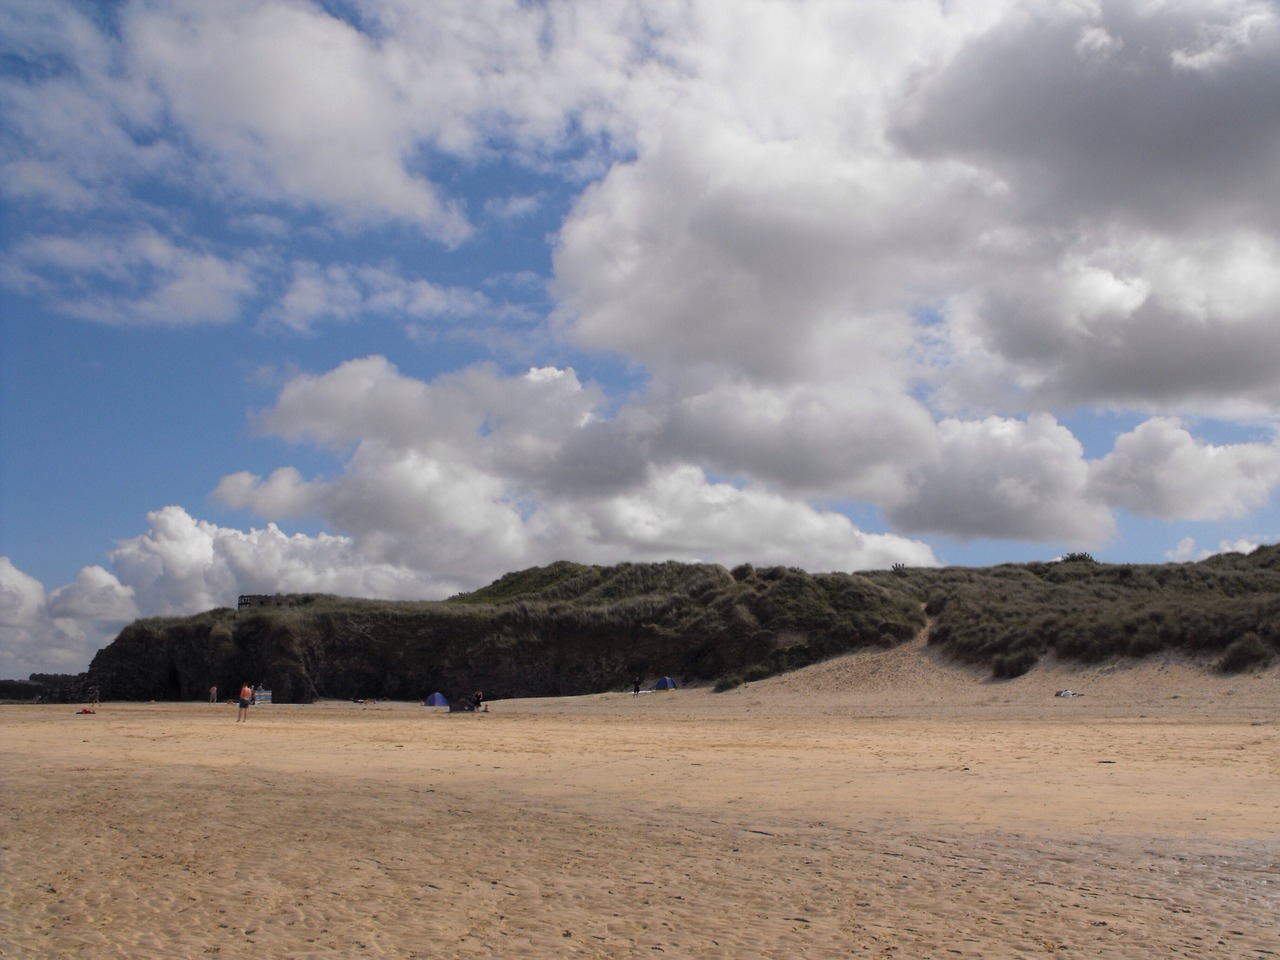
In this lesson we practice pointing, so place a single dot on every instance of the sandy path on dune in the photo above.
(880, 805)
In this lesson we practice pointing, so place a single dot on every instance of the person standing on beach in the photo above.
(635, 688)
(213, 694)
(246, 698)
(477, 698)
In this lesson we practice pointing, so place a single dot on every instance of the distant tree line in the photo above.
(47, 688)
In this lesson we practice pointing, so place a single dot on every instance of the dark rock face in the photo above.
(552, 631)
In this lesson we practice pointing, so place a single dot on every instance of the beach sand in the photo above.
(884, 804)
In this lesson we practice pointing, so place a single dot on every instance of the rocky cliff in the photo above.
(559, 630)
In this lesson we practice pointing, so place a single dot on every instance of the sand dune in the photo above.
(885, 804)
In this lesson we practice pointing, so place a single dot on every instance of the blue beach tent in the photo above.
(666, 683)
(436, 700)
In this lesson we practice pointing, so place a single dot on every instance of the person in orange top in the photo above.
(246, 695)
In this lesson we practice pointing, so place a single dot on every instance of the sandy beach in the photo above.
(884, 804)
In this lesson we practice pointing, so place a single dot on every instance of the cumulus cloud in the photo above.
(813, 438)
(1000, 477)
(21, 596)
(95, 594)
(1126, 259)
(183, 565)
(1160, 470)
(754, 258)
(73, 132)
(54, 634)
(769, 260)
(1140, 320)
(290, 103)
(482, 472)
(477, 473)
(680, 515)
(310, 113)
(782, 224)
(1186, 551)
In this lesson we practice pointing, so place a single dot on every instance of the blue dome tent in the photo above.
(436, 700)
(666, 683)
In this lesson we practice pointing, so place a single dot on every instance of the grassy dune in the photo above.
(571, 628)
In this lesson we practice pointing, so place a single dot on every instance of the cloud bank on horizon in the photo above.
(456, 288)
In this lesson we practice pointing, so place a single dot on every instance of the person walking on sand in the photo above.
(213, 694)
(635, 687)
(246, 698)
(477, 698)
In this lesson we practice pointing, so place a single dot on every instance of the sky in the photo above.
(388, 299)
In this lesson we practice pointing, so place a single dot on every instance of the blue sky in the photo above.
(388, 299)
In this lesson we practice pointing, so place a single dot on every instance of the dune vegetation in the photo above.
(571, 628)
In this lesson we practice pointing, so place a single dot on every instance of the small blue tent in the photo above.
(436, 700)
(666, 683)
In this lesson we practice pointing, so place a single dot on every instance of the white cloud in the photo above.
(21, 596)
(183, 565)
(344, 114)
(95, 594)
(347, 292)
(293, 104)
(762, 259)
(140, 279)
(1123, 263)
(37, 635)
(680, 515)
(765, 259)
(1006, 478)
(1160, 470)
(479, 474)
(773, 223)
(286, 103)
(1140, 319)
(77, 129)
(316, 294)
(1186, 551)
(844, 439)
(1183, 552)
